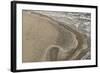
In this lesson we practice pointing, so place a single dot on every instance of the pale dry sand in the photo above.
(44, 39)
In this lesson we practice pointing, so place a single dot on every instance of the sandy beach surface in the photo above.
(44, 39)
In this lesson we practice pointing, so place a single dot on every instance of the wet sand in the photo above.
(45, 39)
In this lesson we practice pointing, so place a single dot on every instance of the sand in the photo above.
(44, 39)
